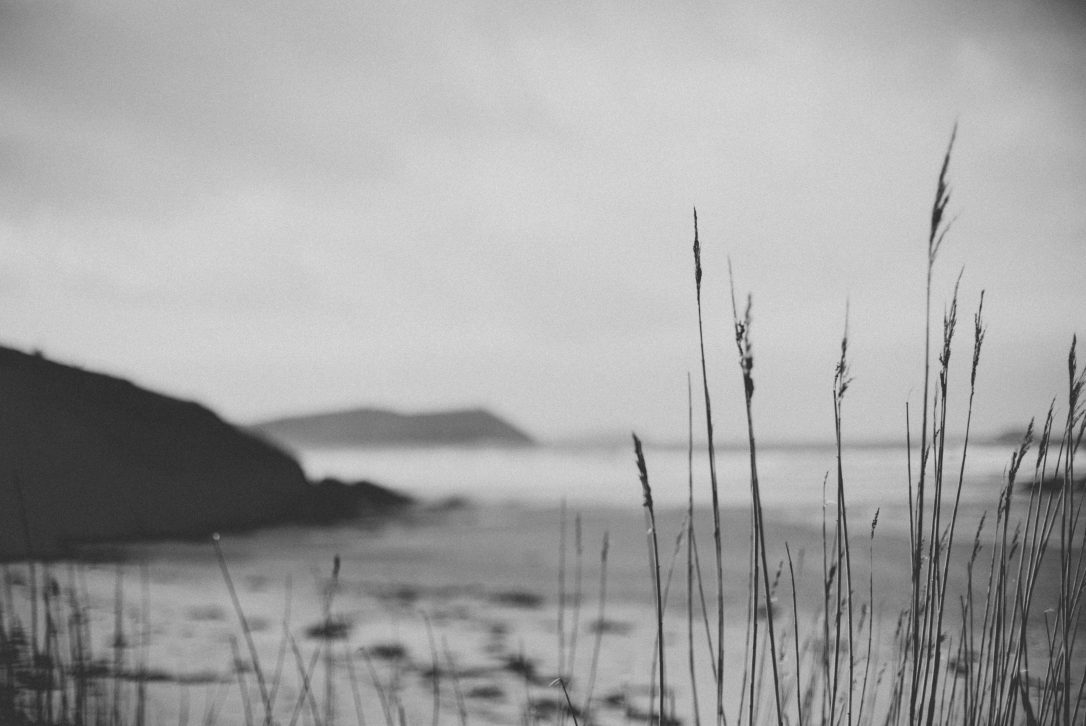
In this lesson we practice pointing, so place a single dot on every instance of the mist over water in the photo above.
(790, 477)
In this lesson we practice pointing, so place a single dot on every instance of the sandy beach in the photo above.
(474, 588)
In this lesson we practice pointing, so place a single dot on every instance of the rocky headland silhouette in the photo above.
(90, 457)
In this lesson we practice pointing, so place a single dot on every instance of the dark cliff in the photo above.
(88, 456)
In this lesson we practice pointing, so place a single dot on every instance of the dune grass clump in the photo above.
(49, 672)
(968, 656)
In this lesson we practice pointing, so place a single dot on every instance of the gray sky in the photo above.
(275, 207)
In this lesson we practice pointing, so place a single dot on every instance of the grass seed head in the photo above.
(950, 322)
(1046, 434)
(697, 253)
(979, 328)
(976, 539)
(1075, 403)
(942, 198)
(842, 375)
(642, 472)
(1017, 458)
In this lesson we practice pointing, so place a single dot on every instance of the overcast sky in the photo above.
(280, 207)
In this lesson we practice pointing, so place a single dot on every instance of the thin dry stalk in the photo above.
(795, 622)
(690, 550)
(841, 380)
(383, 694)
(871, 613)
(746, 365)
(281, 657)
(356, 690)
(667, 591)
(919, 595)
(941, 581)
(600, 625)
(704, 610)
(306, 674)
(578, 582)
(569, 704)
(719, 548)
(828, 574)
(264, 697)
(562, 588)
(646, 491)
(239, 673)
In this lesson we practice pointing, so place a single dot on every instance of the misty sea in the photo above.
(791, 477)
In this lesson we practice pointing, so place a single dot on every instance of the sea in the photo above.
(795, 479)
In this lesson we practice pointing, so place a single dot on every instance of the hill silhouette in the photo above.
(86, 456)
(379, 427)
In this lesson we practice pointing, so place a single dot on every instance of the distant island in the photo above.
(89, 457)
(376, 427)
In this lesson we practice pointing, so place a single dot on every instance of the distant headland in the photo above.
(374, 427)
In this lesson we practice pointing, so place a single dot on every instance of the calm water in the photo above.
(790, 477)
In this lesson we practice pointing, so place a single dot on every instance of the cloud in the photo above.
(484, 193)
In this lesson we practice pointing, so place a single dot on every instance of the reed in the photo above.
(654, 551)
(711, 448)
(936, 237)
(280, 659)
(690, 555)
(561, 657)
(600, 621)
(924, 687)
(578, 583)
(245, 629)
(746, 366)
